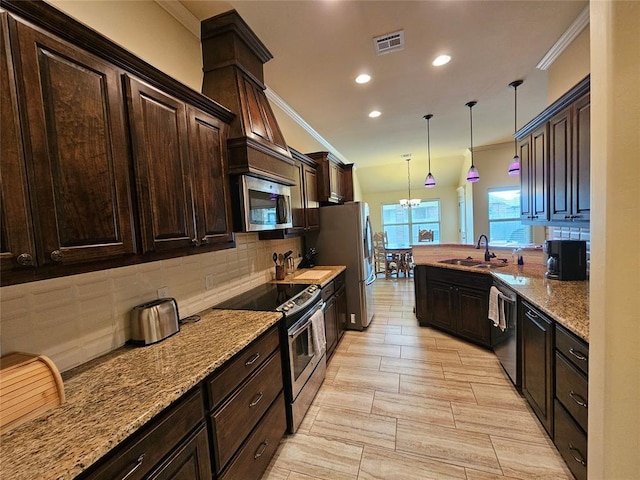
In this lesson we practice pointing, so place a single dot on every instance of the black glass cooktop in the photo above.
(266, 297)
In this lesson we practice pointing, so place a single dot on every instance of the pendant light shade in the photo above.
(473, 175)
(429, 182)
(514, 166)
(409, 202)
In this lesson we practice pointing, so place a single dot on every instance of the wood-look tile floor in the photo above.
(406, 402)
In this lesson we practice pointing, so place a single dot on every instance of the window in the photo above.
(504, 218)
(402, 224)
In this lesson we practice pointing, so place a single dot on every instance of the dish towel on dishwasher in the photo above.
(496, 314)
(319, 338)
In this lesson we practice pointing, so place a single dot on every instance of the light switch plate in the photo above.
(208, 282)
(163, 292)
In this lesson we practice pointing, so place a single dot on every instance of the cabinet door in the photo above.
(473, 322)
(335, 184)
(537, 361)
(16, 234)
(190, 461)
(311, 201)
(159, 136)
(581, 206)
(526, 193)
(331, 325)
(209, 171)
(560, 166)
(341, 312)
(78, 151)
(420, 291)
(538, 172)
(297, 200)
(441, 302)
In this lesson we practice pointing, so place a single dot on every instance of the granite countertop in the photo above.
(314, 276)
(567, 302)
(111, 397)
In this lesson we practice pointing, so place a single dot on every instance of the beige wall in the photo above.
(614, 364)
(448, 208)
(569, 68)
(147, 30)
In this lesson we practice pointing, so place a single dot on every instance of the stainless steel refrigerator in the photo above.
(345, 238)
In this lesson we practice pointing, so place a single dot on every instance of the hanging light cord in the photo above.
(515, 120)
(428, 143)
(409, 178)
(471, 124)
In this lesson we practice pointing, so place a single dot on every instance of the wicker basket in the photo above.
(30, 385)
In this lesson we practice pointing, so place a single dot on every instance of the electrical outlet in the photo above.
(163, 292)
(353, 318)
(208, 282)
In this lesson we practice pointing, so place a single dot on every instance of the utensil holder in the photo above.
(281, 271)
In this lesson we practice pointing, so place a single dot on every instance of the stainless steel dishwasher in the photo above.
(505, 343)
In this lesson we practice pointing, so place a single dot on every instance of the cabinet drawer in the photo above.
(255, 454)
(328, 291)
(339, 282)
(571, 442)
(191, 460)
(572, 389)
(237, 417)
(139, 455)
(573, 348)
(249, 360)
(460, 278)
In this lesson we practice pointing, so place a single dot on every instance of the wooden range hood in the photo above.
(233, 59)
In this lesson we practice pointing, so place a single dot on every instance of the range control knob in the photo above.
(285, 308)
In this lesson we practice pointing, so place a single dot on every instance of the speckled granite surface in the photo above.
(113, 396)
(566, 302)
(322, 281)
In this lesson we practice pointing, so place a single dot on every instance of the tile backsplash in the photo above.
(76, 318)
(571, 233)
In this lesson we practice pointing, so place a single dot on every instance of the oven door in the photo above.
(304, 353)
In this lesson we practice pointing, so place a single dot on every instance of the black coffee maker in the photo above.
(566, 259)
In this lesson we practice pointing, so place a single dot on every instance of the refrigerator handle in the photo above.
(371, 279)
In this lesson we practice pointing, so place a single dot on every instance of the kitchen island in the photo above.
(110, 398)
(566, 302)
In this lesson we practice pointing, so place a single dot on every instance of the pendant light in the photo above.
(429, 182)
(409, 202)
(514, 166)
(473, 175)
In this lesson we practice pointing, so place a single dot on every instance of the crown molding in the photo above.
(581, 21)
(182, 15)
(286, 108)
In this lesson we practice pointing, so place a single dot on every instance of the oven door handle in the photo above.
(304, 322)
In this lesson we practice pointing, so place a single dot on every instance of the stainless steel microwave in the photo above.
(265, 205)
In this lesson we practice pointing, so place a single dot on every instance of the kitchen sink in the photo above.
(469, 262)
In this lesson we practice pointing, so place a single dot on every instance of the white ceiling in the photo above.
(320, 46)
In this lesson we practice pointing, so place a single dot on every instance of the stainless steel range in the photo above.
(301, 335)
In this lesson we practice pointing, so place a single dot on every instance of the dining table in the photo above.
(402, 256)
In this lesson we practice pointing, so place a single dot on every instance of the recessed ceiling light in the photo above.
(441, 60)
(375, 114)
(363, 78)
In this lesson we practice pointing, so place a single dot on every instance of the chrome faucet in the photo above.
(487, 256)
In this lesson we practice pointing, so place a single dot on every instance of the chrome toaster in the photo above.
(154, 321)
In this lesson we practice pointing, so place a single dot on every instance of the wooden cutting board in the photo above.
(30, 385)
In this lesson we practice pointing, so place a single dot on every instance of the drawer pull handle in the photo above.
(257, 400)
(578, 355)
(135, 467)
(577, 456)
(578, 399)
(260, 451)
(252, 360)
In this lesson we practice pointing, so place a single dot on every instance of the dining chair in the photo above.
(425, 235)
(383, 261)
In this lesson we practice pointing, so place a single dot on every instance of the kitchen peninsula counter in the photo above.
(111, 397)
(566, 301)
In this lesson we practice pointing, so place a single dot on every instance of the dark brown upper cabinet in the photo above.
(180, 172)
(555, 161)
(335, 181)
(75, 153)
(18, 248)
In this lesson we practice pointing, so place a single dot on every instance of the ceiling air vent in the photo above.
(389, 42)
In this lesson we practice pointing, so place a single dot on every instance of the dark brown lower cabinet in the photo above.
(331, 325)
(571, 442)
(341, 311)
(537, 363)
(335, 312)
(154, 449)
(455, 301)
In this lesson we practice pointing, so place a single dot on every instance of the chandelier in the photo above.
(409, 202)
